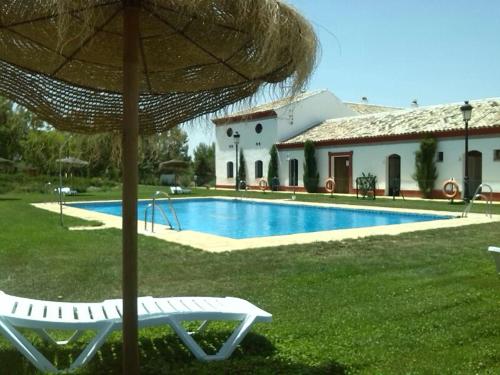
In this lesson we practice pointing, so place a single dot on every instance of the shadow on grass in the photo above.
(9, 199)
(167, 355)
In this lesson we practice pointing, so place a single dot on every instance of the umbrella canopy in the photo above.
(196, 57)
(6, 161)
(174, 165)
(73, 162)
(144, 66)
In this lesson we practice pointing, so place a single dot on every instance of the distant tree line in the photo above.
(32, 143)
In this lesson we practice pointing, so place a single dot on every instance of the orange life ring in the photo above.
(450, 194)
(329, 185)
(262, 184)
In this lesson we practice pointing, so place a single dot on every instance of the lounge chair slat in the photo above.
(176, 306)
(111, 309)
(51, 311)
(165, 305)
(67, 312)
(151, 306)
(190, 304)
(96, 310)
(37, 312)
(23, 308)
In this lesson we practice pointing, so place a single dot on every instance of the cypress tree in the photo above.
(425, 166)
(242, 170)
(311, 174)
(272, 169)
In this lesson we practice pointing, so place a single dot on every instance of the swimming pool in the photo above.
(239, 219)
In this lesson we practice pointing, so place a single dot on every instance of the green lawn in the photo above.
(422, 303)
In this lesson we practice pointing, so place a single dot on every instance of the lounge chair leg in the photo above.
(227, 348)
(49, 339)
(236, 337)
(92, 347)
(26, 348)
(201, 327)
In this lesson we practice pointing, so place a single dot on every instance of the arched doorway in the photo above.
(475, 170)
(394, 175)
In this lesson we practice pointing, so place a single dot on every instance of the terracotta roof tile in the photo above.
(438, 118)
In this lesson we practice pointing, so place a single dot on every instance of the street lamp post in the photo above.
(236, 137)
(291, 174)
(61, 181)
(467, 113)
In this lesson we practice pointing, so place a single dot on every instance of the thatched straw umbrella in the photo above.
(144, 66)
(174, 166)
(71, 161)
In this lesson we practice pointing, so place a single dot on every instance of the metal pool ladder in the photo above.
(155, 205)
(488, 199)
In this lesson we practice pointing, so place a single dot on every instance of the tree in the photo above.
(171, 145)
(272, 169)
(242, 170)
(15, 123)
(425, 166)
(204, 163)
(311, 175)
(41, 150)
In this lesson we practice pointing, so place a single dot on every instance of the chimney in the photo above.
(414, 103)
(364, 99)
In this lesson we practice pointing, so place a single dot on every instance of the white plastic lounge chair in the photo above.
(495, 251)
(179, 190)
(106, 317)
(66, 190)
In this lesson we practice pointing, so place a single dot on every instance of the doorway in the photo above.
(394, 175)
(475, 170)
(341, 174)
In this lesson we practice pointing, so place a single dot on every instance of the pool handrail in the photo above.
(151, 205)
(171, 206)
(489, 202)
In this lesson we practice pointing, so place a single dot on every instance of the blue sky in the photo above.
(394, 51)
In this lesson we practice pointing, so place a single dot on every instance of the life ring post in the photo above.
(330, 185)
(263, 185)
(450, 189)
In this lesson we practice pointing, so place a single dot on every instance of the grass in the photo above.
(417, 303)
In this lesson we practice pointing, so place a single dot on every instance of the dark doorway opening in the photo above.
(475, 171)
(394, 175)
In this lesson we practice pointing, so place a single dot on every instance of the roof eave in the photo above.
(494, 129)
(245, 117)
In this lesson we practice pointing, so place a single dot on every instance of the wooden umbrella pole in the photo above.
(130, 181)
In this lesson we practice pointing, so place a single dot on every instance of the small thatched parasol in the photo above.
(144, 66)
(174, 165)
(6, 161)
(73, 162)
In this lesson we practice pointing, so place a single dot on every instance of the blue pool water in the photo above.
(246, 219)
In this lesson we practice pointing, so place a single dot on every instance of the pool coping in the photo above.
(214, 243)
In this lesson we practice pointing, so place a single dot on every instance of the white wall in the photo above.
(299, 116)
(255, 147)
(284, 170)
(373, 158)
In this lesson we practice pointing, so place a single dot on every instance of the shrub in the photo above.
(425, 166)
(272, 169)
(242, 170)
(311, 174)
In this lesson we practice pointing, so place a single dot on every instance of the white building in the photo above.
(352, 139)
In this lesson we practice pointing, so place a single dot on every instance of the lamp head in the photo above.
(236, 138)
(466, 110)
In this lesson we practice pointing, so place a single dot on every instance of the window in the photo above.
(230, 169)
(293, 170)
(229, 132)
(496, 155)
(258, 128)
(440, 156)
(258, 169)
